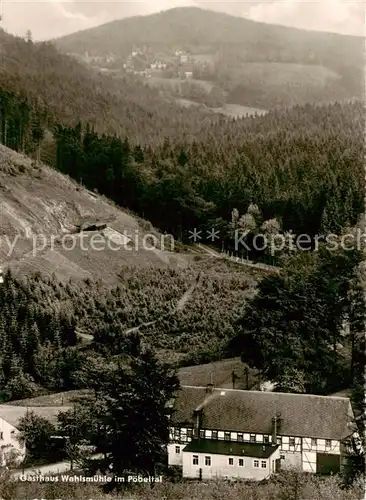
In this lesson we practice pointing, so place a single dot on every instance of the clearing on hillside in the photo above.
(42, 213)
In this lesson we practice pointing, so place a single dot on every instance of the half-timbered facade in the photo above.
(308, 429)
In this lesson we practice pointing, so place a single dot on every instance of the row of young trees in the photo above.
(41, 318)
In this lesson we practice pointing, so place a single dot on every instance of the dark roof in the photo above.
(303, 415)
(216, 447)
(187, 400)
(13, 414)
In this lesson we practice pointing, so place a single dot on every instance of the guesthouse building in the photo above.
(252, 434)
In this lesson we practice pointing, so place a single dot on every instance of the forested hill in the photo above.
(191, 27)
(244, 57)
(302, 167)
(71, 91)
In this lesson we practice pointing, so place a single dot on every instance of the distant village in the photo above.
(144, 62)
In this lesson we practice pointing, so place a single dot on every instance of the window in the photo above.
(266, 439)
(227, 436)
(252, 438)
(313, 442)
(264, 464)
(256, 463)
(202, 434)
(176, 434)
(214, 434)
(279, 441)
(189, 433)
(241, 462)
(195, 459)
(177, 450)
(1, 435)
(240, 438)
(328, 443)
(231, 461)
(292, 441)
(282, 456)
(208, 461)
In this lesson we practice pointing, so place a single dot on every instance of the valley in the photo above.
(158, 177)
(239, 62)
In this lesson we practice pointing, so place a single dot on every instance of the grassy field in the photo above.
(219, 373)
(49, 400)
(203, 58)
(283, 74)
(230, 110)
(169, 83)
(238, 111)
(187, 103)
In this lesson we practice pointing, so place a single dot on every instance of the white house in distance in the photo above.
(11, 447)
(250, 434)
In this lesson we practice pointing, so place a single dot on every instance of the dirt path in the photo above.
(244, 262)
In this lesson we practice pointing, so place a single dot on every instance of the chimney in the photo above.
(274, 430)
(275, 426)
(197, 415)
(209, 388)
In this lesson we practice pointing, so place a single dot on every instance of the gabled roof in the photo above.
(303, 415)
(215, 447)
(13, 414)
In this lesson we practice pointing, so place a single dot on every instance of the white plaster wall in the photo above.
(309, 461)
(292, 460)
(220, 467)
(10, 447)
(173, 457)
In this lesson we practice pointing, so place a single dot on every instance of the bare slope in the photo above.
(42, 212)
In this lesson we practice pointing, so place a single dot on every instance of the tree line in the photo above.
(302, 167)
(22, 122)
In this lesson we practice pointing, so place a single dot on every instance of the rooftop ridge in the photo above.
(284, 394)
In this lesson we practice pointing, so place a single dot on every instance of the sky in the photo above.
(48, 19)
